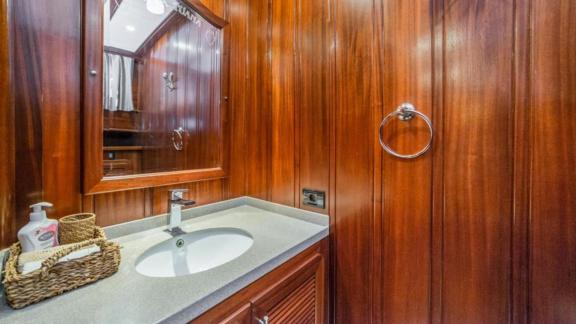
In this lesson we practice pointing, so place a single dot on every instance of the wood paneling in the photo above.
(48, 113)
(314, 98)
(7, 167)
(250, 98)
(553, 208)
(258, 101)
(354, 141)
(406, 184)
(283, 157)
(478, 161)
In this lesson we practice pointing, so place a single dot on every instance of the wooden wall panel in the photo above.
(314, 91)
(553, 209)
(354, 155)
(406, 184)
(258, 101)
(283, 157)
(7, 167)
(115, 208)
(478, 161)
(238, 11)
(47, 120)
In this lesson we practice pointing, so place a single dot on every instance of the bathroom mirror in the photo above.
(154, 107)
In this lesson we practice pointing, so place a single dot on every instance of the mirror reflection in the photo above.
(161, 88)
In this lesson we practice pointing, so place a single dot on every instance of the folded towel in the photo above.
(30, 261)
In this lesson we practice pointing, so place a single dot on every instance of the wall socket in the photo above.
(314, 198)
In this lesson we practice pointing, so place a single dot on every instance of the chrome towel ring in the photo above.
(177, 138)
(405, 112)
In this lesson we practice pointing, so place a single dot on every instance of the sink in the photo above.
(194, 252)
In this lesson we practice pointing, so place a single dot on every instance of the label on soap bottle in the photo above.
(46, 237)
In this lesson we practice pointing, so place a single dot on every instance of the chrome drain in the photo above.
(180, 243)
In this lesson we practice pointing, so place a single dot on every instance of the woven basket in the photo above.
(55, 278)
(76, 228)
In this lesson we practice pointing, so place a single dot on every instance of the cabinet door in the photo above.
(242, 316)
(296, 298)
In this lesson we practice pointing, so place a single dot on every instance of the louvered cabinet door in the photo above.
(297, 298)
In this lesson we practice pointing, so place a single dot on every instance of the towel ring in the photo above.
(177, 138)
(405, 112)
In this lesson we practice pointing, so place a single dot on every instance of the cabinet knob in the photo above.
(263, 320)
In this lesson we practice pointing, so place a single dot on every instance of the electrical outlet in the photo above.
(314, 198)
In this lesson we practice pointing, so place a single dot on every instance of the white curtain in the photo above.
(117, 88)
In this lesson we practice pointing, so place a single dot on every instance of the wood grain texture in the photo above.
(294, 298)
(47, 153)
(406, 184)
(7, 167)
(354, 155)
(552, 241)
(283, 43)
(237, 16)
(258, 101)
(314, 85)
(478, 161)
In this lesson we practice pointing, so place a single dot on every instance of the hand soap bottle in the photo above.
(40, 233)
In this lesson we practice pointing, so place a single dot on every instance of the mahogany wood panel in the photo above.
(116, 208)
(478, 161)
(314, 88)
(250, 98)
(406, 184)
(354, 155)
(47, 155)
(553, 208)
(258, 101)
(7, 167)
(283, 164)
(237, 16)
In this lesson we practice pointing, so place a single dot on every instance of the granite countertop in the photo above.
(279, 233)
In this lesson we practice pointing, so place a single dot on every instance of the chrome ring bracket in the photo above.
(405, 112)
(177, 137)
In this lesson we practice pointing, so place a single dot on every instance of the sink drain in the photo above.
(180, 243)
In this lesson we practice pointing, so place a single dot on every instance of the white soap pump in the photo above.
(40, 233)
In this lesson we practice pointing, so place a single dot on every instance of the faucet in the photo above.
(175, 203)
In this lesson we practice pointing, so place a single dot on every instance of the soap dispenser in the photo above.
(40, 233)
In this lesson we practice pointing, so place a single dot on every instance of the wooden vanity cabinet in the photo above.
(295, 292)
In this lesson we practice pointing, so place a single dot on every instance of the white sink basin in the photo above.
(194, 252)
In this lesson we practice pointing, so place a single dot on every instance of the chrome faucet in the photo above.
(175, 203)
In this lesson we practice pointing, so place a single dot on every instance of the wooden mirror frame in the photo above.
(93, 117)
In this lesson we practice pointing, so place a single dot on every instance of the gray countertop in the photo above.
(279, 233)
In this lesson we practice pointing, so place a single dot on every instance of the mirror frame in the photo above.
(93, 117)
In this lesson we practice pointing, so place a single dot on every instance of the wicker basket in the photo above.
(55, 278)
(76, 228)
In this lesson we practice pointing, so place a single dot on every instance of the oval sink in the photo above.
(194, 252)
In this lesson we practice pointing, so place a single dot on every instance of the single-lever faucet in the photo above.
(175, 203)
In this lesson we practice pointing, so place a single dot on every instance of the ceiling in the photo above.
(131, 24)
